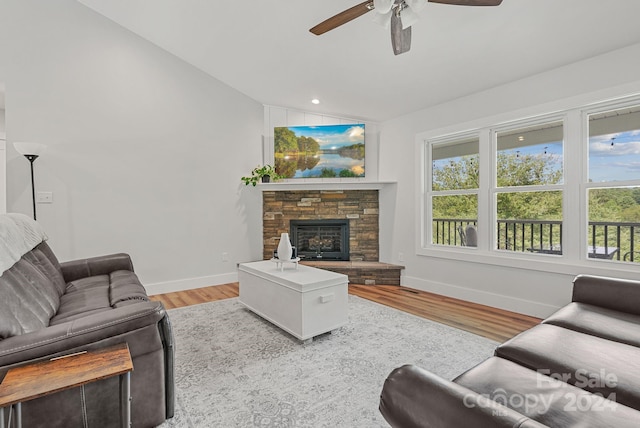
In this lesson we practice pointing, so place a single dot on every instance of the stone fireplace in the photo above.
(320, 211)
(358, 208)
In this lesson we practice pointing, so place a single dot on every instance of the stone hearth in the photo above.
(363, 273)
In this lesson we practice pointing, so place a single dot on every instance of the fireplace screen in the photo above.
(321, 239)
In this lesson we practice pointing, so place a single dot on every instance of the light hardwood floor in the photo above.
(493, 323)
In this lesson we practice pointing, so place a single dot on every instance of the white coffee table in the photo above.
(303, 301)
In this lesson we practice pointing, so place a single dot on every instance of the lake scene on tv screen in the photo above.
(323, 151)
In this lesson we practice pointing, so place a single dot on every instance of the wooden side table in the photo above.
(42, 378)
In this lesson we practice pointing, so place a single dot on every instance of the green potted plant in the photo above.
(264, 173)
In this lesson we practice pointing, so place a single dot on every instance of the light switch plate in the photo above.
(44, 197)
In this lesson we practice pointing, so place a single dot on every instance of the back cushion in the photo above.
(43, 258)
(28, 299)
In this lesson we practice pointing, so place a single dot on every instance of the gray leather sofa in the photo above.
(50, 309)
(578, 368)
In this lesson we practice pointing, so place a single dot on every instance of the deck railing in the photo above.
(606, 240)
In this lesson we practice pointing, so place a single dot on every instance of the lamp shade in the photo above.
(29, 148)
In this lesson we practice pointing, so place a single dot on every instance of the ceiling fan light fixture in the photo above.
(416, 5)
(383, 19)
(409, 17)
(382, 6)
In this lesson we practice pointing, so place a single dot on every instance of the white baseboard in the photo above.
(190, 283)
(514, 304)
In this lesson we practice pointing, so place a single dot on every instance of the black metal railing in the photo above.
(542, 236)
(449, 231)
(606, 240)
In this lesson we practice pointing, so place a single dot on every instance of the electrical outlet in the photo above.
(225, 257)
(400, 257)
(44, 197)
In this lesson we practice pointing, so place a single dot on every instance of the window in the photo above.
(454, 183)
(562, 188)
(613, 185)
(529, 175)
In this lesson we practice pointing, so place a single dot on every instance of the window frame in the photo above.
(575, 130)
(585, 185)
(495, 189)
(427, 235)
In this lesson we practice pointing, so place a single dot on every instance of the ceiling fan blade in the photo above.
(469, 2)
(400, 39)
(343, 17)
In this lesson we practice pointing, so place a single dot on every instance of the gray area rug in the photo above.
(233, 369)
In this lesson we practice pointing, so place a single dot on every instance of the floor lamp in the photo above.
(31, 151)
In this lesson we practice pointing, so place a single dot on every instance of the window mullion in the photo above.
(486, 216)
(573, 198)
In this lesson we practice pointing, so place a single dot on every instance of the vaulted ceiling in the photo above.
(264, 48)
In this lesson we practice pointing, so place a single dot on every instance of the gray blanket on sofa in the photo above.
(19, 234)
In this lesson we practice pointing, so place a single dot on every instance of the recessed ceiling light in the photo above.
(315, 101)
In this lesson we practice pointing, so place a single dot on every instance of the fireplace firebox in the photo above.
(321, 239)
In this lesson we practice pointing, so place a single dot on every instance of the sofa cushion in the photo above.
(612, 293)
(83, 297)
(50, 266)
(597, 321)
(545, 399)
(99, 293)
(28, 299)
(591, 363)
(38, 258)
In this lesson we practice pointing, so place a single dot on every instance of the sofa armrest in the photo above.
(101, 265)
(79, 333)
(612, 293)
(415, 398)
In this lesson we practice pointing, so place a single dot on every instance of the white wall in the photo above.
(2, 123)
(534, 292)
(3, 157)
(145, 152)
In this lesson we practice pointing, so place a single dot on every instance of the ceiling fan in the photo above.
(400, 15)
